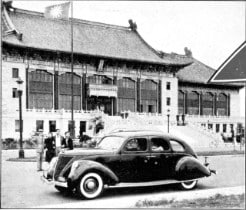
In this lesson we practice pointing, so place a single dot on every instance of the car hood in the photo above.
(87, 152)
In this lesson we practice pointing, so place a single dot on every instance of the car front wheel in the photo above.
(90, 185)
(188, 185)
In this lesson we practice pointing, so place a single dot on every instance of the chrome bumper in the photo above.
(52, 182)
(61, 184)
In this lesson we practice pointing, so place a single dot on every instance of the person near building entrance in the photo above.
(49, 146)
(40, 149)
(67, 142)
(58, 142)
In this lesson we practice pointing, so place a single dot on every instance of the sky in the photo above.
(211, 30)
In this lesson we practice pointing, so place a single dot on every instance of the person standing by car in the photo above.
(40, 149)
(67, 141)
(58, 142)
(49, 146)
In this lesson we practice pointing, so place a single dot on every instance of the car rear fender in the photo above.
(190, 168)
(84, 166)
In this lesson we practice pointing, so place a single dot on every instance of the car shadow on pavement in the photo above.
(122, 192)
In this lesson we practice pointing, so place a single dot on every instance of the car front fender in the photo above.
(190, 168)
(84, 166)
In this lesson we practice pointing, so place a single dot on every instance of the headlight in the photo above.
(75, 165)
(61, 179)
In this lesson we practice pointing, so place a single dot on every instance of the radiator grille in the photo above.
(61, 163)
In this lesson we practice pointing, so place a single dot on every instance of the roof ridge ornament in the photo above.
(7, 4)
(133, 25)
(188, 52)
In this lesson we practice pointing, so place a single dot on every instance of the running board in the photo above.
(146, 184)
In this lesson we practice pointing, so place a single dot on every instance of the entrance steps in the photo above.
(192, 133)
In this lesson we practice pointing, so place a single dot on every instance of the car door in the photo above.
(161, 158)
(134, 160)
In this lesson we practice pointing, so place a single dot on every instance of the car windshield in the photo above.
(111, 142)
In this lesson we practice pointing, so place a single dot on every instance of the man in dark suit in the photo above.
(49, 146)
(67, 142)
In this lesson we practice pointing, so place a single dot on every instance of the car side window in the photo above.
(136, 144)
(159, 144)
(176, 146)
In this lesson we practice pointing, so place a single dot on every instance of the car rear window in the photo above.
(159, 144)
(176, 146)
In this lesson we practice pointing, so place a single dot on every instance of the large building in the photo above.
(115, 70)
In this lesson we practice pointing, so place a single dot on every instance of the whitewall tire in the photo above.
(91, 185)
(189, 185)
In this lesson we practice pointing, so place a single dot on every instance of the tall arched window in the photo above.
(148, 96)
(193, 103)
(221, 104)
(207, 104)
(40, 90)
(65, 91)
(181, 102)
(126, 95)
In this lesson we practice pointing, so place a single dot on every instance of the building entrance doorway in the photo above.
(104, 104)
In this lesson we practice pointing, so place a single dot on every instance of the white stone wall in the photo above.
(242, 101)
(235, 104)
(10, 105)
(172, 93)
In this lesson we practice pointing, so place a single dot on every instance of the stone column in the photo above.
(200, 104)
(228, 104)
(84, 96)
(138, 95)
(159, 97)
(114, 100)
(185, 102)
(27, 87)
(56, 90)
(214, 104)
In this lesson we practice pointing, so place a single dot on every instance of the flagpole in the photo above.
(72, 100)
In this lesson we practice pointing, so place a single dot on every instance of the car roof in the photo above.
(135, 133)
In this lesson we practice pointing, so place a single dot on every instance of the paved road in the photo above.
(22, 187)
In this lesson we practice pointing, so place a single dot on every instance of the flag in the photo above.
(59, 11)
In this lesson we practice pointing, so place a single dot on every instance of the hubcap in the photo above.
(91, 185)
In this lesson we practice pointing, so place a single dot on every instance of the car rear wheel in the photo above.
(188, 185)
(90, 185)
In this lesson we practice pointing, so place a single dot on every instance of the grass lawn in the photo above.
(217, 201)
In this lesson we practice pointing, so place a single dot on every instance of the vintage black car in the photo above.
(127, 159)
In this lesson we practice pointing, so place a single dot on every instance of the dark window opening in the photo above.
(168, 87)
(168, 101)
(14, 93)
(224, 128)
(52, 126)
(217, 128)
(15, 73)
(210, 126)
(39, 125)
